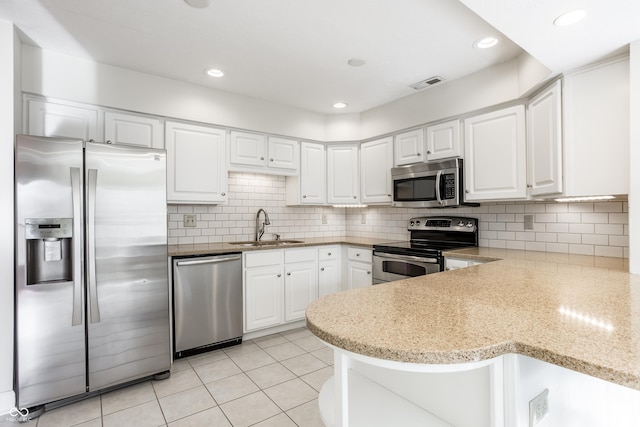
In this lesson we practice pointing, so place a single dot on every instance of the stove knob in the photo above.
(461, 224)
(411, 223)
(417, 222)
(469, 224)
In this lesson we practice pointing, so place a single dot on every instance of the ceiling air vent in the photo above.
(427, 82)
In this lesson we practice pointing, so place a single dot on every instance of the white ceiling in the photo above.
(295, 52)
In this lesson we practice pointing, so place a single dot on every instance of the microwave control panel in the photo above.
(449, 186)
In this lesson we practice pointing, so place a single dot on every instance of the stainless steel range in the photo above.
(421, 255)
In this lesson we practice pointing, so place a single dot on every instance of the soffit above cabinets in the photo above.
(296, 52)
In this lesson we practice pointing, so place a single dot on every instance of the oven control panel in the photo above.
(459, 224)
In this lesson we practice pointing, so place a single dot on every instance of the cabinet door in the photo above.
(196, 165)
(300, 289)
(544, 142)
(343, 182)
(359, 275)
(409, 147)
(263, 290)
(284, 154)
(328, 277)
(313, 173)
(443, 140)
(248, 149)
(495, 155)
(63, 120)
(376, 161)
(131, 129)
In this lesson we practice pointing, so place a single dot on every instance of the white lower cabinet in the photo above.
(300, 282)
(263, 289)
(359, 267)
(329, 268)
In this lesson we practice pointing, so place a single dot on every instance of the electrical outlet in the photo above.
(363, 219)
(190, 220)
(528, 222)
(324, 218)
(539, 408)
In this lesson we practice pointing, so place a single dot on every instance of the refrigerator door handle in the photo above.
(92, 181)
(76, 197)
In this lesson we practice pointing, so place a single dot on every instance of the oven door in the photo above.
(390, 267)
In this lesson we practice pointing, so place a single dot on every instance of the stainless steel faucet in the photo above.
(260, 230)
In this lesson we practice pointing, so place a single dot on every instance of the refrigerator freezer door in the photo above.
(127, 289)
(50, 329)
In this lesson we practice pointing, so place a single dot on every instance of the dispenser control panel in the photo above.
(48, 228)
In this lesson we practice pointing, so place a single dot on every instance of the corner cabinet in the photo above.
(376, 161)
(495, 155)
(310, 187)
(544, 141)
(252, 152)
(196, 164)
(343, 179)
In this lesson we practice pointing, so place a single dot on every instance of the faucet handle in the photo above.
(276, 236)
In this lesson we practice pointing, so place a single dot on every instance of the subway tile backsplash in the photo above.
(600, 229)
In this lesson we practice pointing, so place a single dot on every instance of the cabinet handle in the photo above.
(418, 154)
(109, 141)
(224, 194)
(529, 186)
(428, 152)
(289, 274)
(279, 275)
(329, 253)
(357, 254)
(354, 197)
(388, 195)
(466, 191)
(368, 272)
(271, 160)
(322, 269)
(261, 158)
(304, 197)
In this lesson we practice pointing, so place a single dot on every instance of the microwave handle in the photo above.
(438, 176)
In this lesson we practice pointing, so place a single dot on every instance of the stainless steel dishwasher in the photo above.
(207, 303)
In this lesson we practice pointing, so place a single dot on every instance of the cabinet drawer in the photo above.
(360, 254)
(328, 252)
(299, 255)
(262, 258)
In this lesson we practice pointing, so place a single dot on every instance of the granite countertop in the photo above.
(221, 248)
(578, 312)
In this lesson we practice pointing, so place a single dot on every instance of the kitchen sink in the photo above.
(254, 243)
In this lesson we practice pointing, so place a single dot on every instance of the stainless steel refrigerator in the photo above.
(92, 298)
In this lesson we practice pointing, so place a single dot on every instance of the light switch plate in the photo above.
(528, 222)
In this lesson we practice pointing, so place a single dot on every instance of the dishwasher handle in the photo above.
(207, 261)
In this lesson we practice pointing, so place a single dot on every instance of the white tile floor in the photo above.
(269, 381)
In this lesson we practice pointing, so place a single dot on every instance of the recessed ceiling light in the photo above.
(356, 62)
(214, 72)
(339, 105)
(198, 3)
(486, 42)
(569, 18)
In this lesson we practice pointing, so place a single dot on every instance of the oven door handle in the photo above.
(407, 257)
(438, 176)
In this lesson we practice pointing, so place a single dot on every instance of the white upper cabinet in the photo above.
(196, 164)
(495, 155)
(596, 129)
(544, 142)
(247, 149)
(251, 152)
(310, 187)
(443, 140)
(133, 129)
(284, 154)
(343, 179)
(409, 147)
(63, 120)
(376, 161)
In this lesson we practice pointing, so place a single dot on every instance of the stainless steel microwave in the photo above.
(429, 185)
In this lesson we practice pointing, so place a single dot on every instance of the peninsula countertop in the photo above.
(578, 312)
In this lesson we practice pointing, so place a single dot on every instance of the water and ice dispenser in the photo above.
(49, 250)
